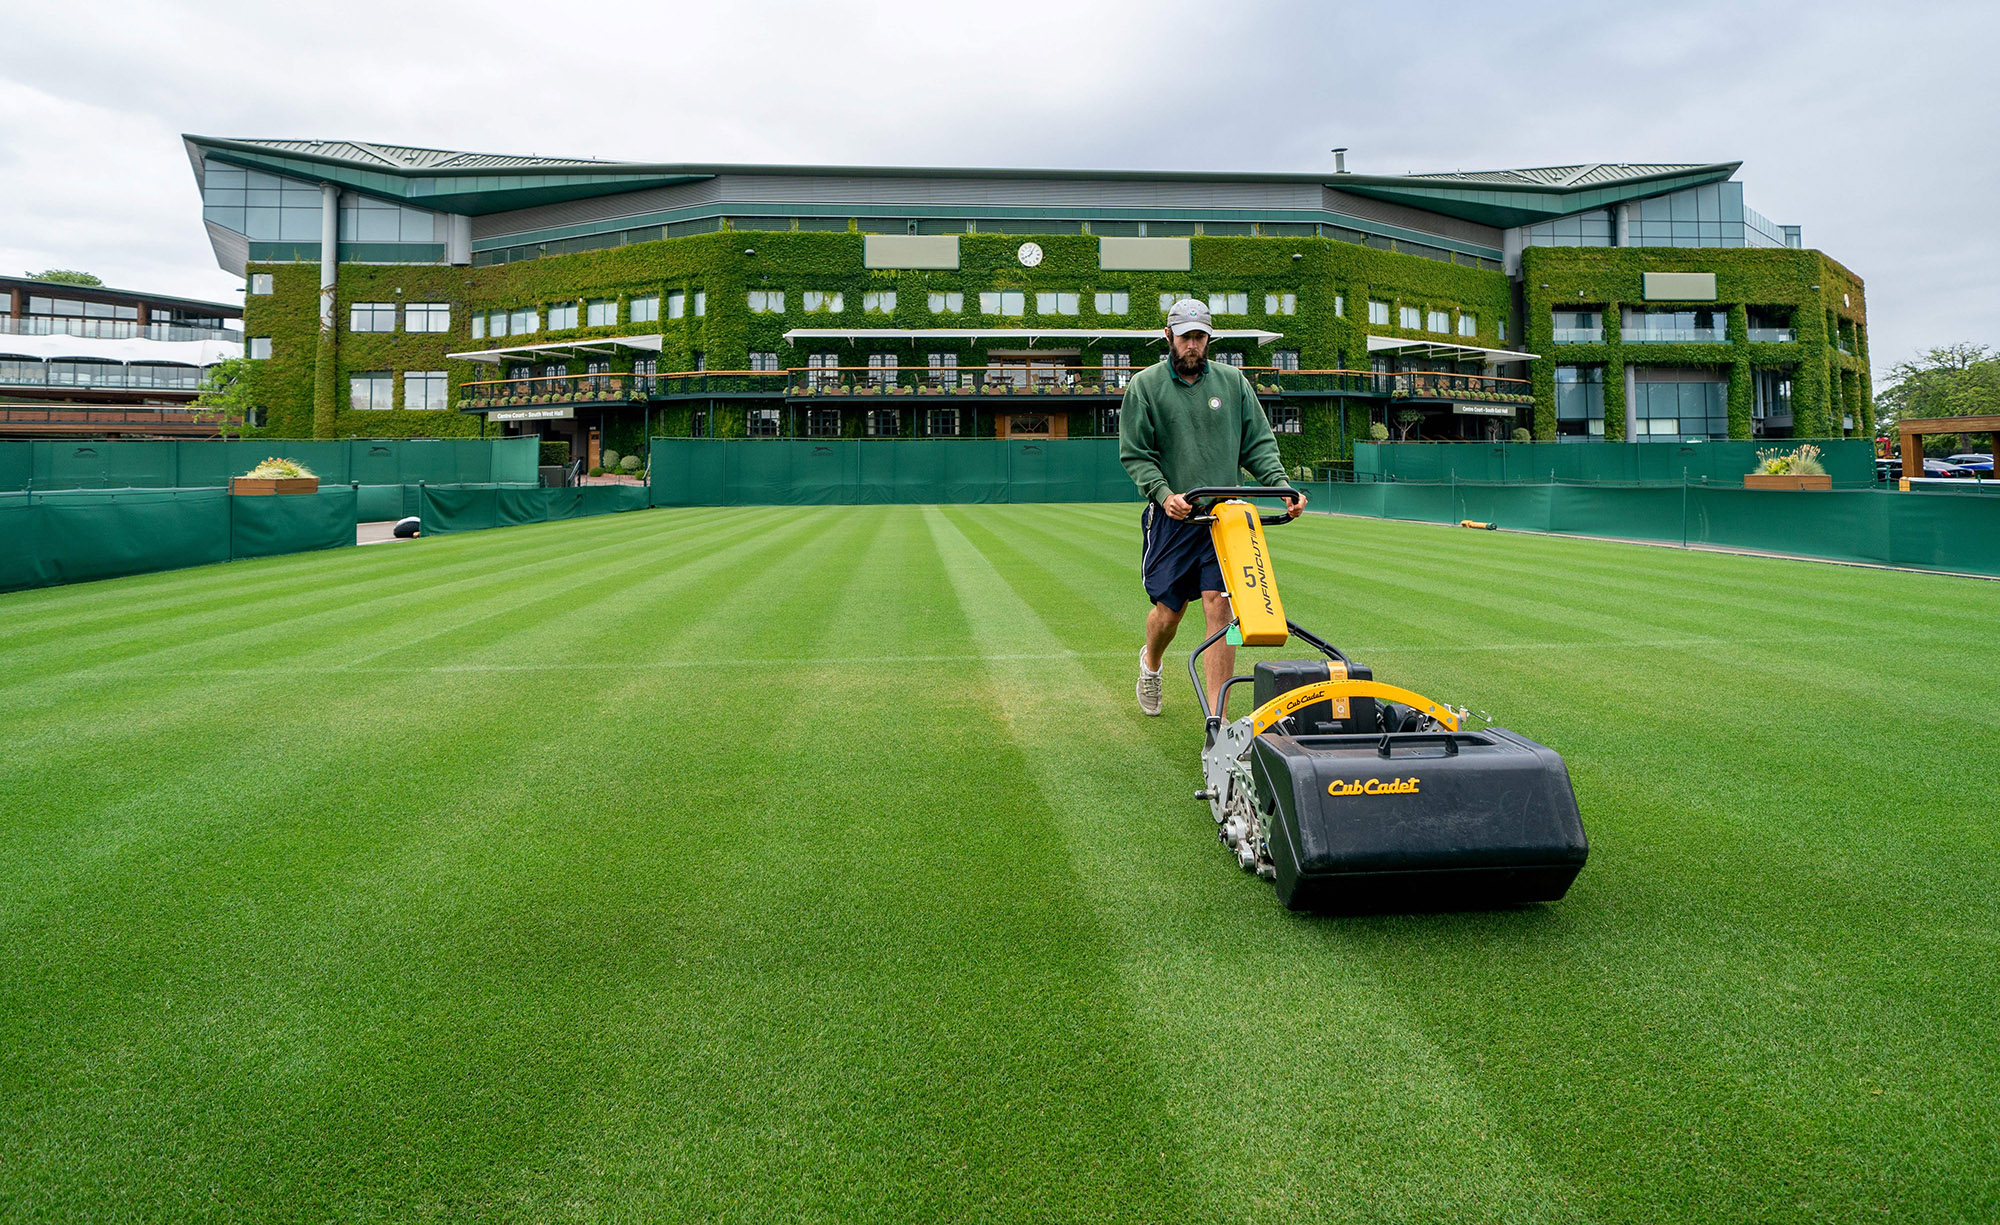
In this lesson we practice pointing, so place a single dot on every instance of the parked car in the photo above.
(1938, 467)
(1888, 469)
(1977, 461)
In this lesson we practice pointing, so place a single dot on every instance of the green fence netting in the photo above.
(467, 508)
(1938, 531)
(201, 463)
(1850, 461)
(69, 536)
(803, 472)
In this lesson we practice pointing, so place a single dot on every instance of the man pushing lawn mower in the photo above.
(1187, 423)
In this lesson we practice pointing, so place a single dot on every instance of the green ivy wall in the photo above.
(1825, 301)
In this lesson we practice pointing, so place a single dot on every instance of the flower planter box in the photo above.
(262, 486)
(1786, 480)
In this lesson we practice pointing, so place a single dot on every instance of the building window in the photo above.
(1580, 401)
(1107, 421)
(676, 304)
(882, 369)
(762, 423)
(764, 361)
(884, 422)
(426, 389)
(824, 370)
(371, 317)
(562, 316)
(524, 321)
(1437, 321)
(1502, 325)
(1285, 359)
(823, 422)
(1412, 318)
(374, 391)
(824, 302)
(601, 312)
(1013, 303)
(1229, 359)
(767, 301)
(1285, 419)
(1281, 304)
(1167, 301)
(700, 303)
(260, 348)
(1468, 325)
(645, 373)
(1378, 313)
(1055, 302)
(1340, 306)
(647, 309)
(947, 303)
(879, 302)
(1114, 302)
(942, 423)
(1680, 402)
(944, 370)
(262, 283)
(700, 359)
(1117, 369)
(427, 317)
(1229, 303)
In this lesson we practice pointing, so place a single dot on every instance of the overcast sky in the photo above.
(1872, 125)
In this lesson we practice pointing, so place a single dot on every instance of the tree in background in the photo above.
(65, 276)
(225, 395)
(1406, 421)
(1958, 380)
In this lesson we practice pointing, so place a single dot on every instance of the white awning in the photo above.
(127, 349)
(601, 346)
(1031, 335)
(1439, 348)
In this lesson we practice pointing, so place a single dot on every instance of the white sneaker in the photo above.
(1149, 686)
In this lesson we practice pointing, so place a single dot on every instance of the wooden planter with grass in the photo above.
(1786, 480)
(259, 486)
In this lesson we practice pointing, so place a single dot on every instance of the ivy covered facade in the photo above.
(600, 302)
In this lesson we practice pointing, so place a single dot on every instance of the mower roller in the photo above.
(1351, 795)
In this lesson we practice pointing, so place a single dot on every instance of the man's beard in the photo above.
(1191, 364)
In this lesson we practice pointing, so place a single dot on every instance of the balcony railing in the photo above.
(1579, 336)
(1676, 336)
(109, 329)
(1773, 336)
(977, 382)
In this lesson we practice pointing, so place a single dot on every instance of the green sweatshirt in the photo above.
(1174, 435)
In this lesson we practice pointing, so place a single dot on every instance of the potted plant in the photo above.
(1796, 469)
(275, 476)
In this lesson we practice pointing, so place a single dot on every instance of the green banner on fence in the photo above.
(835, 471)
(1850, 461)
(201, 464)
(469, 508)
(69, 536)
(1924, 531)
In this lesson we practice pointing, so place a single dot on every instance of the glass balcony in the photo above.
(1773, 336)
(1676, 336)
(1579, 336)
(109, 329)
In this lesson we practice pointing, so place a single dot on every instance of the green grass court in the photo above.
(816, 865)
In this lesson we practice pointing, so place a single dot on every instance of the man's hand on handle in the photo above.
(1178, 507)
(1295, 504)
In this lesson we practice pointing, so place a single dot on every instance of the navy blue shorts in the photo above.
(1178, 559)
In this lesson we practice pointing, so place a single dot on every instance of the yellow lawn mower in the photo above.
(1351, 795)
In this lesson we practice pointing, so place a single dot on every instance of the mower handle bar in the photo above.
(1219, 493)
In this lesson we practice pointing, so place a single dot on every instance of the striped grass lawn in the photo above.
(816, 865)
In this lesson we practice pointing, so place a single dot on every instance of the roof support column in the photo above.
(1621, 220)
(1631, 402)
(458, 239)
(326, 382)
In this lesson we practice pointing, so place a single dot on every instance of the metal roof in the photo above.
(484, 183)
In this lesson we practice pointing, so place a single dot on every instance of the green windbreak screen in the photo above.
(70, 536)
(1927, 531)
(1850, 461)
(203, 464)
(468, 508)
(803, 472)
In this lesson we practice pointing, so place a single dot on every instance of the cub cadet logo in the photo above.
(1373, 786)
